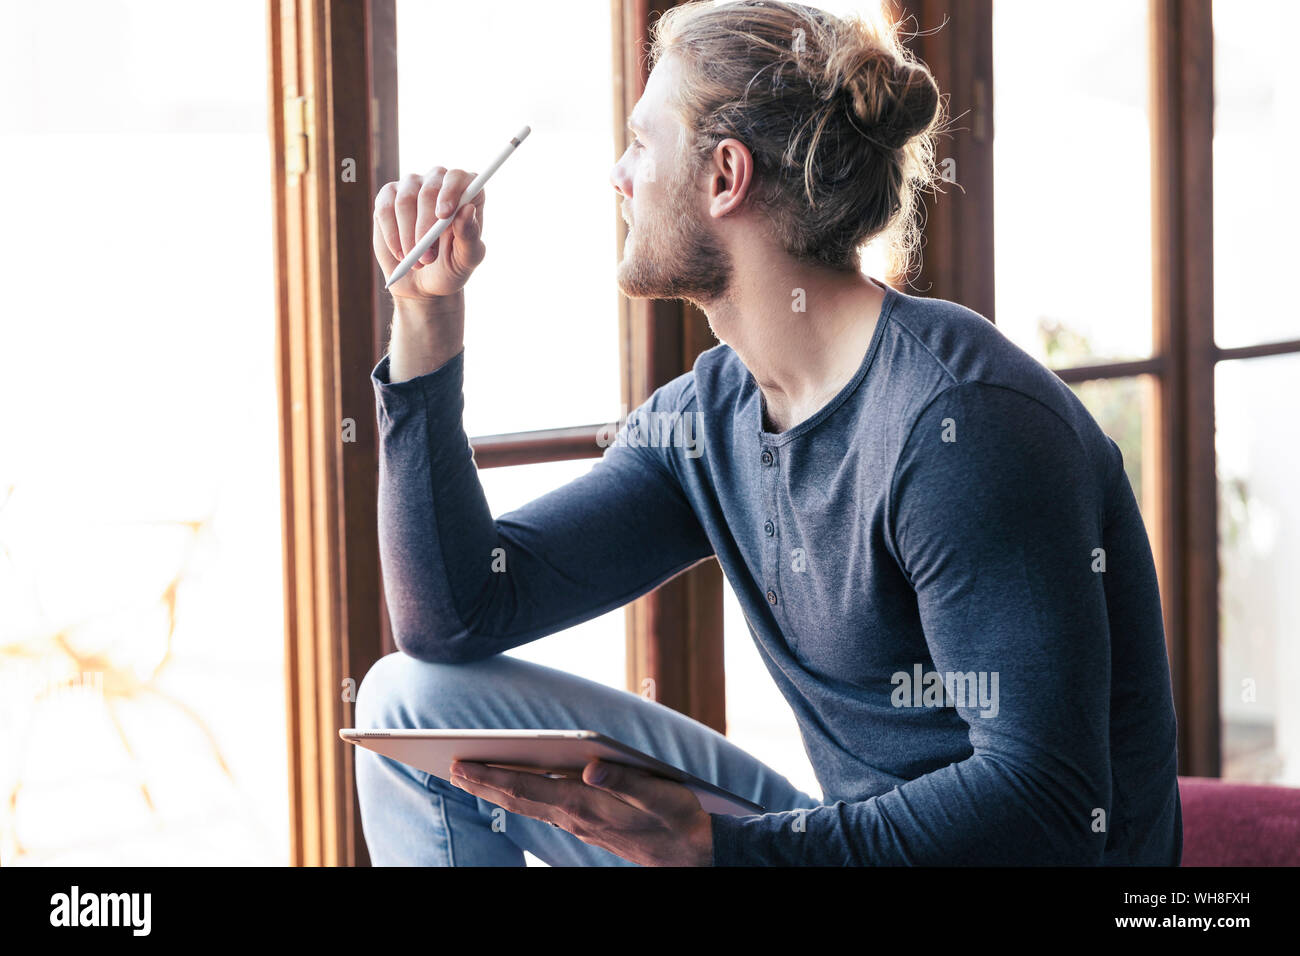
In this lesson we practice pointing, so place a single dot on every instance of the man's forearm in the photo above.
(426, 334)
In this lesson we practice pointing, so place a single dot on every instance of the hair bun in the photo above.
(892, 99)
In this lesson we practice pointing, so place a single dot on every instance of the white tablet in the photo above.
(557, 752)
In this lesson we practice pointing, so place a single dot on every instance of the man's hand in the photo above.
(638, 816)
(405, 210)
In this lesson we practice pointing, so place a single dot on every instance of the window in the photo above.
(1072, 177)
(541, 328)
(1259, 548)
(1257, 96)
(1124, 408)
(595, 649)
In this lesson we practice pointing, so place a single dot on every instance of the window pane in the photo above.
(1259, 551)
(1257, 99)
(759, 720)
(142, 707)
(1123, 409)
(541, 336)
(1072, 171)
(595, 649)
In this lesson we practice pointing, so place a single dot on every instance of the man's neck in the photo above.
(800, 359)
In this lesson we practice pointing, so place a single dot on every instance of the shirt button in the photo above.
(771, 596)
(769, 528)
(767, 457)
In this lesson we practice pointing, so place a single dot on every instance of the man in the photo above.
(935, 546)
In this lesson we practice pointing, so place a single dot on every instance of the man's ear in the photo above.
(731, 174)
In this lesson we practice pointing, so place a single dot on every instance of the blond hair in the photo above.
(840, 118)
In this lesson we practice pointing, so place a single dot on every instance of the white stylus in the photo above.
(441, 225)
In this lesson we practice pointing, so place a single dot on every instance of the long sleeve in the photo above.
(995, 514)
(462, 586)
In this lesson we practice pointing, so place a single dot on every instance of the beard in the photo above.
(669, 254)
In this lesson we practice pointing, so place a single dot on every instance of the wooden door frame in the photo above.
(1182, 236)
(326, 163)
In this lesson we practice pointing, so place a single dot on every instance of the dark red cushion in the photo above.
(1239, 824)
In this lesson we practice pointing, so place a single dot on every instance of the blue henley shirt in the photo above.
(944, 570)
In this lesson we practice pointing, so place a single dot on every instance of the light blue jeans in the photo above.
(412, 818)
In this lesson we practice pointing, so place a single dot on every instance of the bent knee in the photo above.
(400, 691)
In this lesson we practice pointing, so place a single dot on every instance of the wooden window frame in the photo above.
(328, 95)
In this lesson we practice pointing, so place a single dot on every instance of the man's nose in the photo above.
(620, 180)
